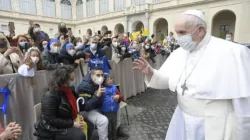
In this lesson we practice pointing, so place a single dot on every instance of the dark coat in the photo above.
(87, 90)
(56, 111)
(52, 61)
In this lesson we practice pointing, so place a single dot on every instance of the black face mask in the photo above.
(3, 43)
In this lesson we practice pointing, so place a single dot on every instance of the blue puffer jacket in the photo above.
(108, 103)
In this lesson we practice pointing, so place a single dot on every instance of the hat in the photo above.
(68, 45)
(51, 42)
(106, 76)
(199, 14)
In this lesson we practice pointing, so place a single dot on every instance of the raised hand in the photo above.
(142, 65)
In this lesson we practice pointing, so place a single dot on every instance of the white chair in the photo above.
(37, 111)
(124, 105)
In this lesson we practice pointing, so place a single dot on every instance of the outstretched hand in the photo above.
(142, 65)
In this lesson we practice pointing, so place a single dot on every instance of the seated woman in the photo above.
(52, 57)
(10, 57)
(59, 109)
(32, 63)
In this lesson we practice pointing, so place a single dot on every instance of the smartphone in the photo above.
(99, 32)
(27, 46)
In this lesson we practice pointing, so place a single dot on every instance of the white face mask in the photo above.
(115, 44)
(147, 47)
(153, 47)
(22, 44)
(34, 59)
(134, 46)
(93, 46)
(54, 49)
(71, 52)
(229, 39)
(123, 49)
(186, 41)
(98, 80)
(44, 46)
(37, 30)
(79, 44)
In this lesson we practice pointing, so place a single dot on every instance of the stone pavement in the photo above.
(149, 114)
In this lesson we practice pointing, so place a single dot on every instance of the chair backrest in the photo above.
(37, 111)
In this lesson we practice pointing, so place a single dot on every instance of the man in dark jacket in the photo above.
(91, 90)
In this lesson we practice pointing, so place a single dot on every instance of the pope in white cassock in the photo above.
(212, 79)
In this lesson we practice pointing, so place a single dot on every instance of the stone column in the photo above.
(97, 7)
(58, 9)
(39, 7)
(111, 5)
(126, 24)
(84, 8)
(15, 5)
(73, 6)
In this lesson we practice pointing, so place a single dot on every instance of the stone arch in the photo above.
(89, 32)
(160, 28)
(104, 29)
(119, 29)
(223, 22)
(137, 25)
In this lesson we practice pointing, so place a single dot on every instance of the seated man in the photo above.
(91, 90)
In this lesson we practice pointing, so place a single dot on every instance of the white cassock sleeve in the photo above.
(159, 80)
(242, 112)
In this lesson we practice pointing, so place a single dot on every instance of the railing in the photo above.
(23, 96)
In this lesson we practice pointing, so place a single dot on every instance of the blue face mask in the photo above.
(186, 41)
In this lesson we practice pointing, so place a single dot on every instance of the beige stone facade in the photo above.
(158, 15)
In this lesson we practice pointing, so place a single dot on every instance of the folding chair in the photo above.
(6, 93)
(37, 111)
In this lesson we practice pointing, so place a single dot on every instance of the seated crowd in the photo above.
(35, 51)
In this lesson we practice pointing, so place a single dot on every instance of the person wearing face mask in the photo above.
(229, 37)
(146, 52)
(43, 47)
(134, 50)
(96, 56)
(52, 58)
(213, 92)
(37, 35)
(79, 46)
(23, 42)
(32, 63)
(113, 49)
(59, 109)
(123, 51)
(91, 90)
(68, 55)
(10, 57)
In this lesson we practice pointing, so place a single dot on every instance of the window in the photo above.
(120, 5)
(27, 6)
(5, 5)
(104, 6)
(137, 2)
(79, 9)
(154, 1)
(66, 9)
(224, 29)
(49, 8)
(90, 8)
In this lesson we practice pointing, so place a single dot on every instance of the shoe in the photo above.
(121, 134)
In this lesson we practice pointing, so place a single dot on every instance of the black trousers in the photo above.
(112, 127)
(72, 134)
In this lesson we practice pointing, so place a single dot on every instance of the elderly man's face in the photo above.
(182, 27)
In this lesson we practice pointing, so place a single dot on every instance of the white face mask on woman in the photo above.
(54, 49)
(115, 44)
(34, 59)
(186, 41)
(71, 52)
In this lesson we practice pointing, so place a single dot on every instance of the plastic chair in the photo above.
(6, 93)
(37, 111)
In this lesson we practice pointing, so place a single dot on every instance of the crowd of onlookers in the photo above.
(34, 51)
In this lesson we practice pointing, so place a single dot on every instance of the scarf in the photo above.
(72, 100)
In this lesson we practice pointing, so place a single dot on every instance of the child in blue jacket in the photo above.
(110, 105)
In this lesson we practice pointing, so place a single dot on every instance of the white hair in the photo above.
(195, 21)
